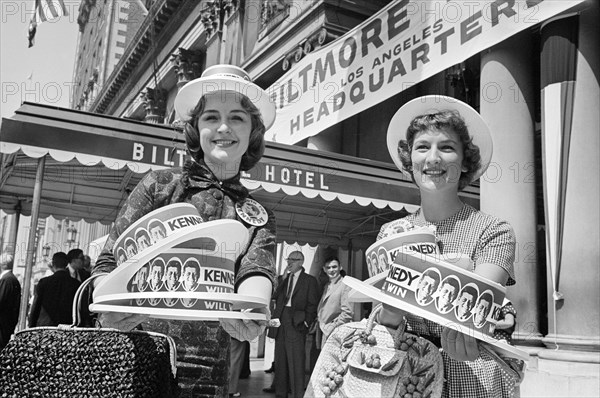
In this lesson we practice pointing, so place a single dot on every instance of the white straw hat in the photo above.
(430, 104)
(224, 78)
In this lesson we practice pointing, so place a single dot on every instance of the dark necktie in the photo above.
(290, 288)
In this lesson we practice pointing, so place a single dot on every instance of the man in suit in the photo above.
(53, 297)
(296, 298)
(76, 265)
(10, 299)
(77, 270)
(334, 308)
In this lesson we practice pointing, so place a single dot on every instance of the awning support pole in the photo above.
(35, 211)
(10, 246)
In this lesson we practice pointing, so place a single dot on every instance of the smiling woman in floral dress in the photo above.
(227, 116)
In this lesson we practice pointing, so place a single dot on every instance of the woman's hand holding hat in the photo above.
(246, 329)
(459, 346)
(390, 316)
(121, 321)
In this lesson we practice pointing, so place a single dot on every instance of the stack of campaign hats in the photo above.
(416, 278)
(172, 264)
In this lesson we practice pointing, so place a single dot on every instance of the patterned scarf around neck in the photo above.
(198, 175)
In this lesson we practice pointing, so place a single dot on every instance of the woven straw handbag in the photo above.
(72, 361)
(364, 359)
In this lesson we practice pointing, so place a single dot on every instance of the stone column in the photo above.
(154, 100)
(508, 187)
(576, 322)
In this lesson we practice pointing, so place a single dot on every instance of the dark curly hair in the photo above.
(256, 144)
(444, 120)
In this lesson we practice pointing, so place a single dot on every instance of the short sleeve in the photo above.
(497, 246)
(508, 309)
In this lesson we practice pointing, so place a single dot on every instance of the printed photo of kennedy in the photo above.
(466, 302)
(189, 280)
(171, 279)
(121, 256)
(483, 308)
(427, 285)
(446, 294)
(130, 247)
(383, 259)
(377, 269)
(157, 230)
(155, 283)
(140, 282)
(142, 238)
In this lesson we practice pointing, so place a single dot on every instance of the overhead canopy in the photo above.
(96, 160)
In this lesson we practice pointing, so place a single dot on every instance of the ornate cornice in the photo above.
(215, 13)
(272, 12)
(187, 65)
(155, 104)
(315, 40)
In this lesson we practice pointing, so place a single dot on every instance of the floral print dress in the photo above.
(202, 346)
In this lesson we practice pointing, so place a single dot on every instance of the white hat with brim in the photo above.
(374, 290)
(431, 104)
(224, 78)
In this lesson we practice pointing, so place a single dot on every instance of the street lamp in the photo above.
(71, 235)
(45, 251)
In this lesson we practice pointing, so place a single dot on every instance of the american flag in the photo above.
(45, 10)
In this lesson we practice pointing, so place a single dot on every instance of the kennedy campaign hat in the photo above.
(430, 104)
(185, 271)
(404, 286)
(224, 78)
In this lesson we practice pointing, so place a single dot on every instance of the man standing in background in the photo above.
(334, 308)
(76, 265)
(53, 297)
(296, 298)
(10, 299)
(77, 270)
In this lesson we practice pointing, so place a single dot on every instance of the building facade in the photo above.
(106, 28)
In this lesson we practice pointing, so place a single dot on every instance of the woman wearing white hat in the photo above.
(443, 145)
(227, 116)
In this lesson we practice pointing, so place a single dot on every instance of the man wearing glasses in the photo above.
(297, 298)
